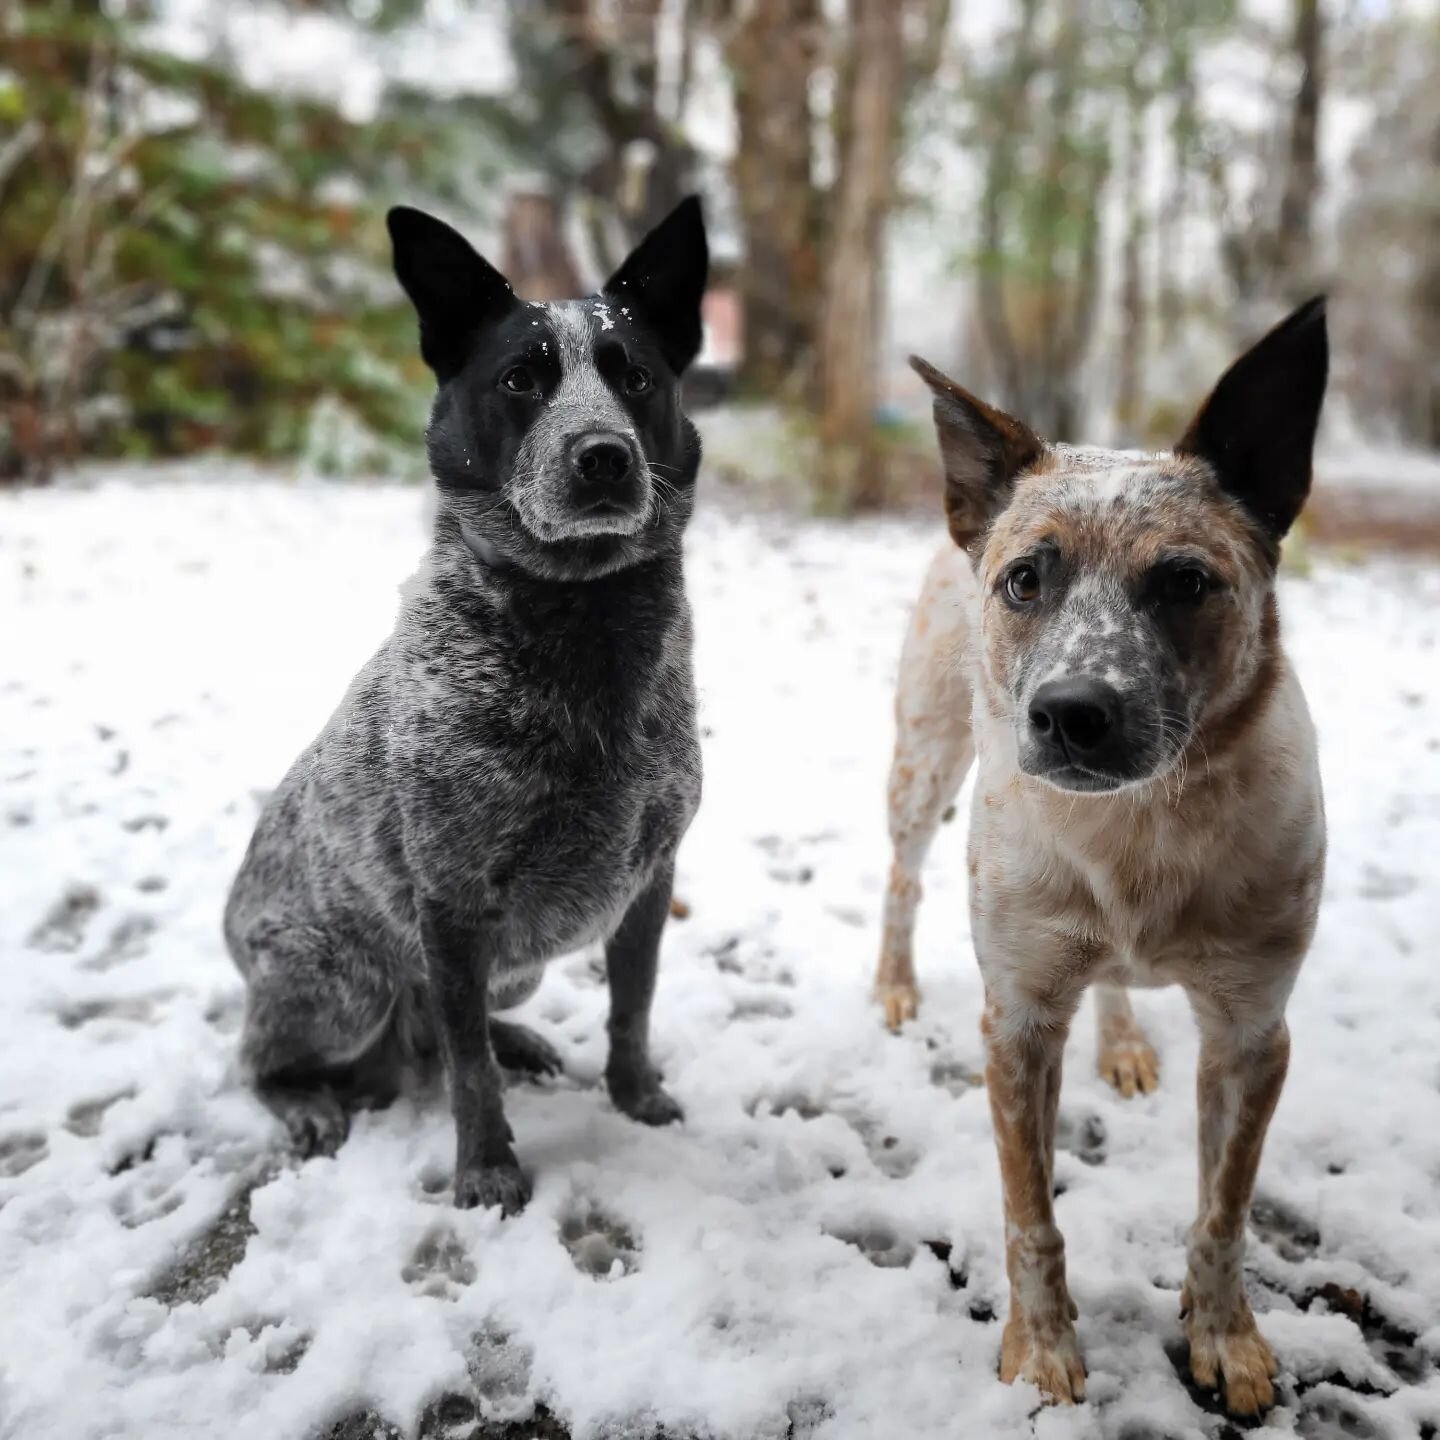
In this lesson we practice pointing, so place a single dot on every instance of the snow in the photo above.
(767, 1268)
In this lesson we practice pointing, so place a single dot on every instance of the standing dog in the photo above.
(510, 775)
(1147, 805)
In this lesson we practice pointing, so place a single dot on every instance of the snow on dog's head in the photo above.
(1127, 599)
(557, 437)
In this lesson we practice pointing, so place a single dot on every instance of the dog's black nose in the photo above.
(601, 459)
(1079, 714)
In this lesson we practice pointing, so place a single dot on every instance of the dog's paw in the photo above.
(1236, 1360)
(1051, 1361)
(645, 1101)
(517, 1047)
(900, 999)
(485, 1186)
(1129, 1064)
(315, 1120)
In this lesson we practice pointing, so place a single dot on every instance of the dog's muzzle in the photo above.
(1078, 737)
(607, 476)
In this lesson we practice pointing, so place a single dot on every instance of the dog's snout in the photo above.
(601, 459)
(1080, 715)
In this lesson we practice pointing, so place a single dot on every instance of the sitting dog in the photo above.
(509, 776)
(1147, 811)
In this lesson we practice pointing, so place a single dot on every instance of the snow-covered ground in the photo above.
(816, 1251)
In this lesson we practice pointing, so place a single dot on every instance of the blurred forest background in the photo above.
(1079, 207)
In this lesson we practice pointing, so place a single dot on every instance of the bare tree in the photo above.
(534, 255)
(1387, 301)
(1267, 244)
(867, 126)
(1039, 262)
(602, 129)
(1293, 240)
(775, 52)
(1132, 291)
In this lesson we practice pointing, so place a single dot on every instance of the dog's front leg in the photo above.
(632, 957)
(458, 970)
(1022, 1075)
(1238, 1086)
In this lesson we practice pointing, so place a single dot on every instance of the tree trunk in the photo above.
(1132, 293)
(1001, 170)
(1425, 417)
(850, 327)
(535, 258)
(608, 55)
(1293, 255)
(773, 53)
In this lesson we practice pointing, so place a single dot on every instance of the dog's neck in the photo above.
(460, 546)
(486, 555)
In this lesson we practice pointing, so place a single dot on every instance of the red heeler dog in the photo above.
(1103, 634)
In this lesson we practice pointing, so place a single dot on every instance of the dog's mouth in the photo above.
(1076, 777)
(554, 520)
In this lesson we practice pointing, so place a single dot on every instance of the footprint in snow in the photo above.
(439, 1267)
(877, 1242)
(137, 1009)
(956, 1076)
(65, 923)
(761, 1007)
(1083, 1136)
(128, 941)
(1285, 1231)
(85, 1117)
(146, 1202)
(599, 1245)
(889, 1154)
(20, 1150)
(499, 1368)
(791, 1102)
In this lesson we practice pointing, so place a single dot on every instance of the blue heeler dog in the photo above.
(509, 777)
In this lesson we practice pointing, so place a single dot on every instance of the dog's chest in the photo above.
(548, 791)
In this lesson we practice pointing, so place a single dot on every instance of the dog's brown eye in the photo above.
(1187, 586)
(1022, 584)
(518, 380)
(637, 380)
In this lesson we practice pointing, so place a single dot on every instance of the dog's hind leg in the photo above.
(933, 750)
(517, 1047)
(317, 1013)
(1123, 1056)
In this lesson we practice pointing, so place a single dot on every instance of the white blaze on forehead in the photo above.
(1097, 479)
(582, 388)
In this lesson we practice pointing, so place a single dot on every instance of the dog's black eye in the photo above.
(1185, 585)
(518, 380)
(637, 380)
(1022, 584)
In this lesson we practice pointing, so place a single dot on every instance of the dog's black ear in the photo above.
(983, 450)
(454, 290)
(664, 280)
(1257, 429)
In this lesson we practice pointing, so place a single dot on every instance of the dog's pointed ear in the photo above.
(983, 450)
(454, 290)
(1257, 429)
(663, 279)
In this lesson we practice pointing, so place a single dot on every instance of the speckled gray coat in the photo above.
(511, 774)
